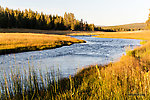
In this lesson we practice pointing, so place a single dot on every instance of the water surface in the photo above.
(69, 58)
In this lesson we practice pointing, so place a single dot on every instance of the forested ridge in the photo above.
(29, 19)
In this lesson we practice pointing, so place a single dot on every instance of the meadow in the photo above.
(125, 79)
(23, 30)
(142, 35)
(85, 33)
(21, 42)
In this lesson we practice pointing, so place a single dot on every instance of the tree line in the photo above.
(148, 22)
(10, 18)
(29, 19)
(120, 29)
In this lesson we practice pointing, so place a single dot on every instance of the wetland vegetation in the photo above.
(124, 79)
(21, 42)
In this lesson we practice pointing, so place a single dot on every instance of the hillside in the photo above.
(134, 25)
(127, 27)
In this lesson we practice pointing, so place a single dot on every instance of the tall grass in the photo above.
(125, 79)
(18, 85)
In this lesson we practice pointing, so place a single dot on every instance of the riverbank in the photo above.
(57, 32)
(85, 33)
(125, 79)
(23, 42)
(141, 35)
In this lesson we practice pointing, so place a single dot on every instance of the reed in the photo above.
(125, 79)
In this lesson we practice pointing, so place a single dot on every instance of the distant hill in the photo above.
(126, 27)
(134, 25)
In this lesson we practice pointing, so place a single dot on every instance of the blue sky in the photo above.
(99, 12)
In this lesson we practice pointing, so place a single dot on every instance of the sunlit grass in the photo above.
(126, 79)
(19, 42)
(22, 30)
(85, 33)
(142, 35)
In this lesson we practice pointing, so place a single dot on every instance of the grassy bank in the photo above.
(57, 32)
(125, 79)
(142, 35)
(85, 33)
(19, 30)
(21, 42)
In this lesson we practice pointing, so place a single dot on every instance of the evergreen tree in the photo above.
(148, 23)
(10, 18)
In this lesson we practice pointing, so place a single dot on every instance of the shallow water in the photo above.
(68, 59)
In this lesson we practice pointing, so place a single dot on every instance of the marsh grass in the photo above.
(22, 42)
(29, 85)
(142, 35)
(126, 79)
(143, 42)
(22, 30)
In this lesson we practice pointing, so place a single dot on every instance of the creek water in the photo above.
(68, 59)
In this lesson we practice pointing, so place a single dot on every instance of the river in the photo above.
(69, 59)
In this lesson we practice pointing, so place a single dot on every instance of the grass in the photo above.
(57, 32)
(85, 33)
(21, 30)
(125, 79)
(21, 42)
(142, 35)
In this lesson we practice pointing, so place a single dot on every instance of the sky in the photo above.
(98, 12)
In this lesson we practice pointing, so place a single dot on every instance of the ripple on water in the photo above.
(69, 58)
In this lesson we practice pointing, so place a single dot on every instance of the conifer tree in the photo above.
(10, 18)
(148, 22)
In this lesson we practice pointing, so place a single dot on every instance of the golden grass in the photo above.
(143, 35)
(21, 30)
(85, 33)
(30, 41)
(127, 79)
